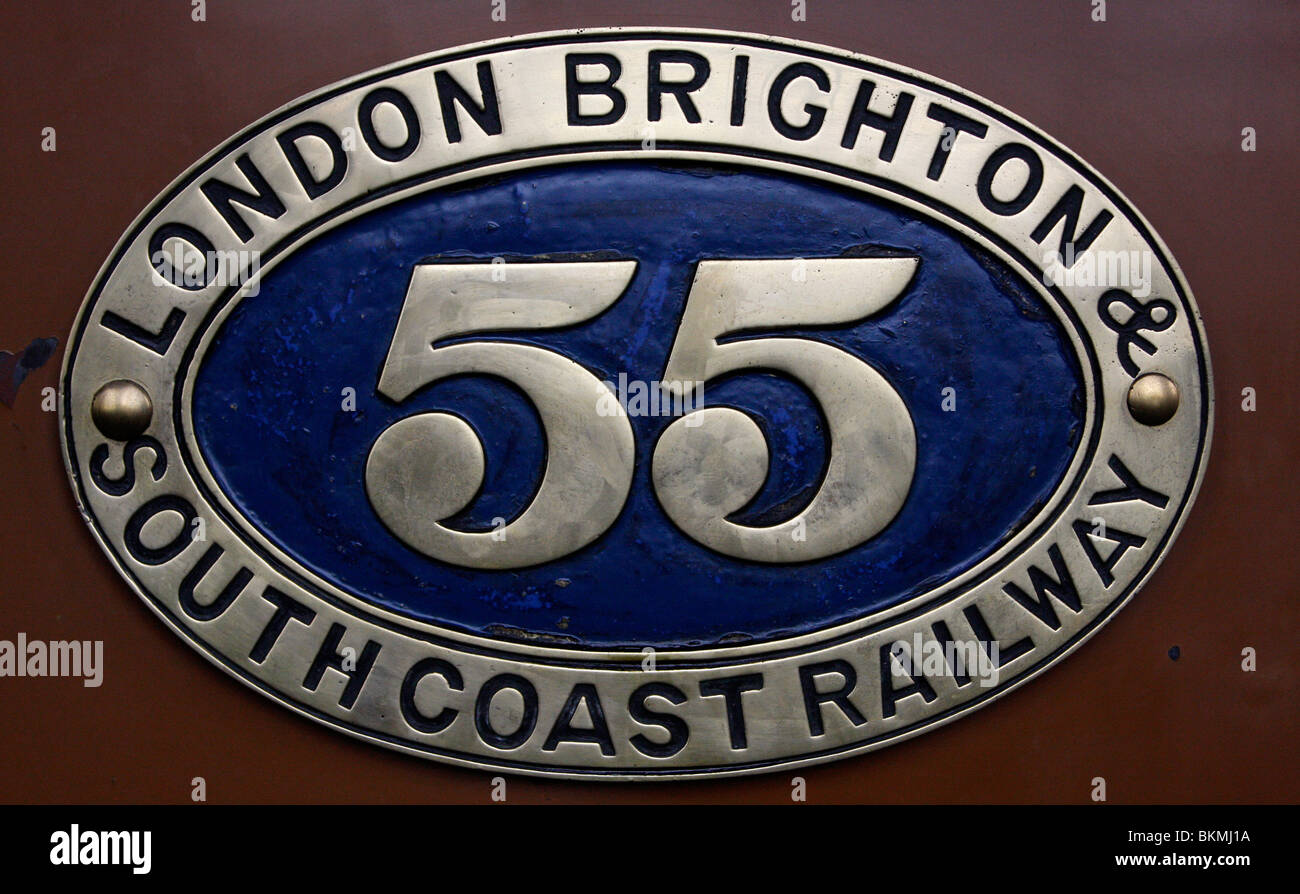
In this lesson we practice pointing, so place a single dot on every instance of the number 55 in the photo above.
(426, 468)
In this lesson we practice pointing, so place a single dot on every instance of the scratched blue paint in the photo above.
(269, 421)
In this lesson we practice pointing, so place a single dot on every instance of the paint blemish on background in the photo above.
(15, 367)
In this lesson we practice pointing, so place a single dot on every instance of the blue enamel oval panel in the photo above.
(272, 419)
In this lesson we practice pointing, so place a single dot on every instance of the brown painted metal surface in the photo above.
(1156, 98)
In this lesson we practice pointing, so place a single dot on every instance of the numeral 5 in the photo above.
(711, 463)
(426, 468)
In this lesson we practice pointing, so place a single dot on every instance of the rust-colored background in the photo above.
(1156, 98)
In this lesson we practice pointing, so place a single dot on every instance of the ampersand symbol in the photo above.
(1154, 316)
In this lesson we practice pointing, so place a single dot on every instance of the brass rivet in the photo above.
(1153, 399)
(121, 410)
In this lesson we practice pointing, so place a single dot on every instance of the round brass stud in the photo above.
(1153, 399)
(121, 410)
